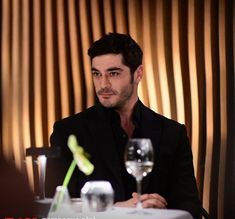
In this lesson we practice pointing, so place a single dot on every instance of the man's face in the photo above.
(112, 80)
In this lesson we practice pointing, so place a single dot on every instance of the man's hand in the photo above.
(148, 201)
(130, 203)
(153, 200)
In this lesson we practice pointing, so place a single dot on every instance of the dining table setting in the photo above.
(97, 202)
(97, 197)
(75, 210)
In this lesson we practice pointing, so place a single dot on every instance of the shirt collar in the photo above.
(112, 115)
(136, 116)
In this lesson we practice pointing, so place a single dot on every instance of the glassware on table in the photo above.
(61, 204)
(139, 160)
(97, 196)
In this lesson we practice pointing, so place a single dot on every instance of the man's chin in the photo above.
(108, 104)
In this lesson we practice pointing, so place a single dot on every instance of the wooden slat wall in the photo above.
(189, 73)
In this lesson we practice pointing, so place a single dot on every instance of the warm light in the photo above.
(42, 174)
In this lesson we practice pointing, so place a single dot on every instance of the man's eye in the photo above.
(114, 73)
(96, 74)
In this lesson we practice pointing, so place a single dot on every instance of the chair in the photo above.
(40, 155)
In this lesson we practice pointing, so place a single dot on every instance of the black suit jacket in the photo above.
(172, 175)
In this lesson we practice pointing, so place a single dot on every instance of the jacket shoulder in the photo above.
(83, 115)
(160, 119)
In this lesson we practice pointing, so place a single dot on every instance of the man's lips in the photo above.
(106, 95)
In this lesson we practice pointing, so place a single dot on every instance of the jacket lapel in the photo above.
(151, 128)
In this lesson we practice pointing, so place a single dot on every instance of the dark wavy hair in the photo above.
(117, 43)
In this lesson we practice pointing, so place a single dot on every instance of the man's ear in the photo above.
(139, 73)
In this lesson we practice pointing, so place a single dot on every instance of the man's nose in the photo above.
(105, 81)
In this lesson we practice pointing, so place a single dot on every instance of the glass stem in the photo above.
(138, 182)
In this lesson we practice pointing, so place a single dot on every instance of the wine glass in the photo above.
(139, 161)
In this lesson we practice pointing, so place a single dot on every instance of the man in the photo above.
(104, 129)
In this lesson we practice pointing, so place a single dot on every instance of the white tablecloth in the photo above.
(75, 212)
(128, 213)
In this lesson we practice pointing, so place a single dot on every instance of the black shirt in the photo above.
(120, 138)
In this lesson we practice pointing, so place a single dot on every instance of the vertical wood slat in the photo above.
(85, 38)
(16, 86)
(107, 8)
(51, 92)
(25, 73)
(5, 79)
(37, 73)
(120, 16)
(193, 82)
(223, 107)
(209, 107)
(161, 59)
(178, 79)
(63, 68)
(75, 56)
(134, 20)
(25, 90)
(96, 20)
(154, 53)
(147, 45)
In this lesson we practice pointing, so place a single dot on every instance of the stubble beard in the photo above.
(123, 97)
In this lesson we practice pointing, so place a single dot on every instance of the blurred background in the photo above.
(189, 75)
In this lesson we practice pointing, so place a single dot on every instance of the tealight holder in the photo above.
(97, 196)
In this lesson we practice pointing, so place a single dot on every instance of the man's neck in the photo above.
(126, 117)
(128, 126)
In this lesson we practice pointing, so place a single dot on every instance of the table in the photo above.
(74, 211)
(127, 213)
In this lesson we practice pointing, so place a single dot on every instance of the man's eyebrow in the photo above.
(94, 69)
(109, 69)
(114, 69)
